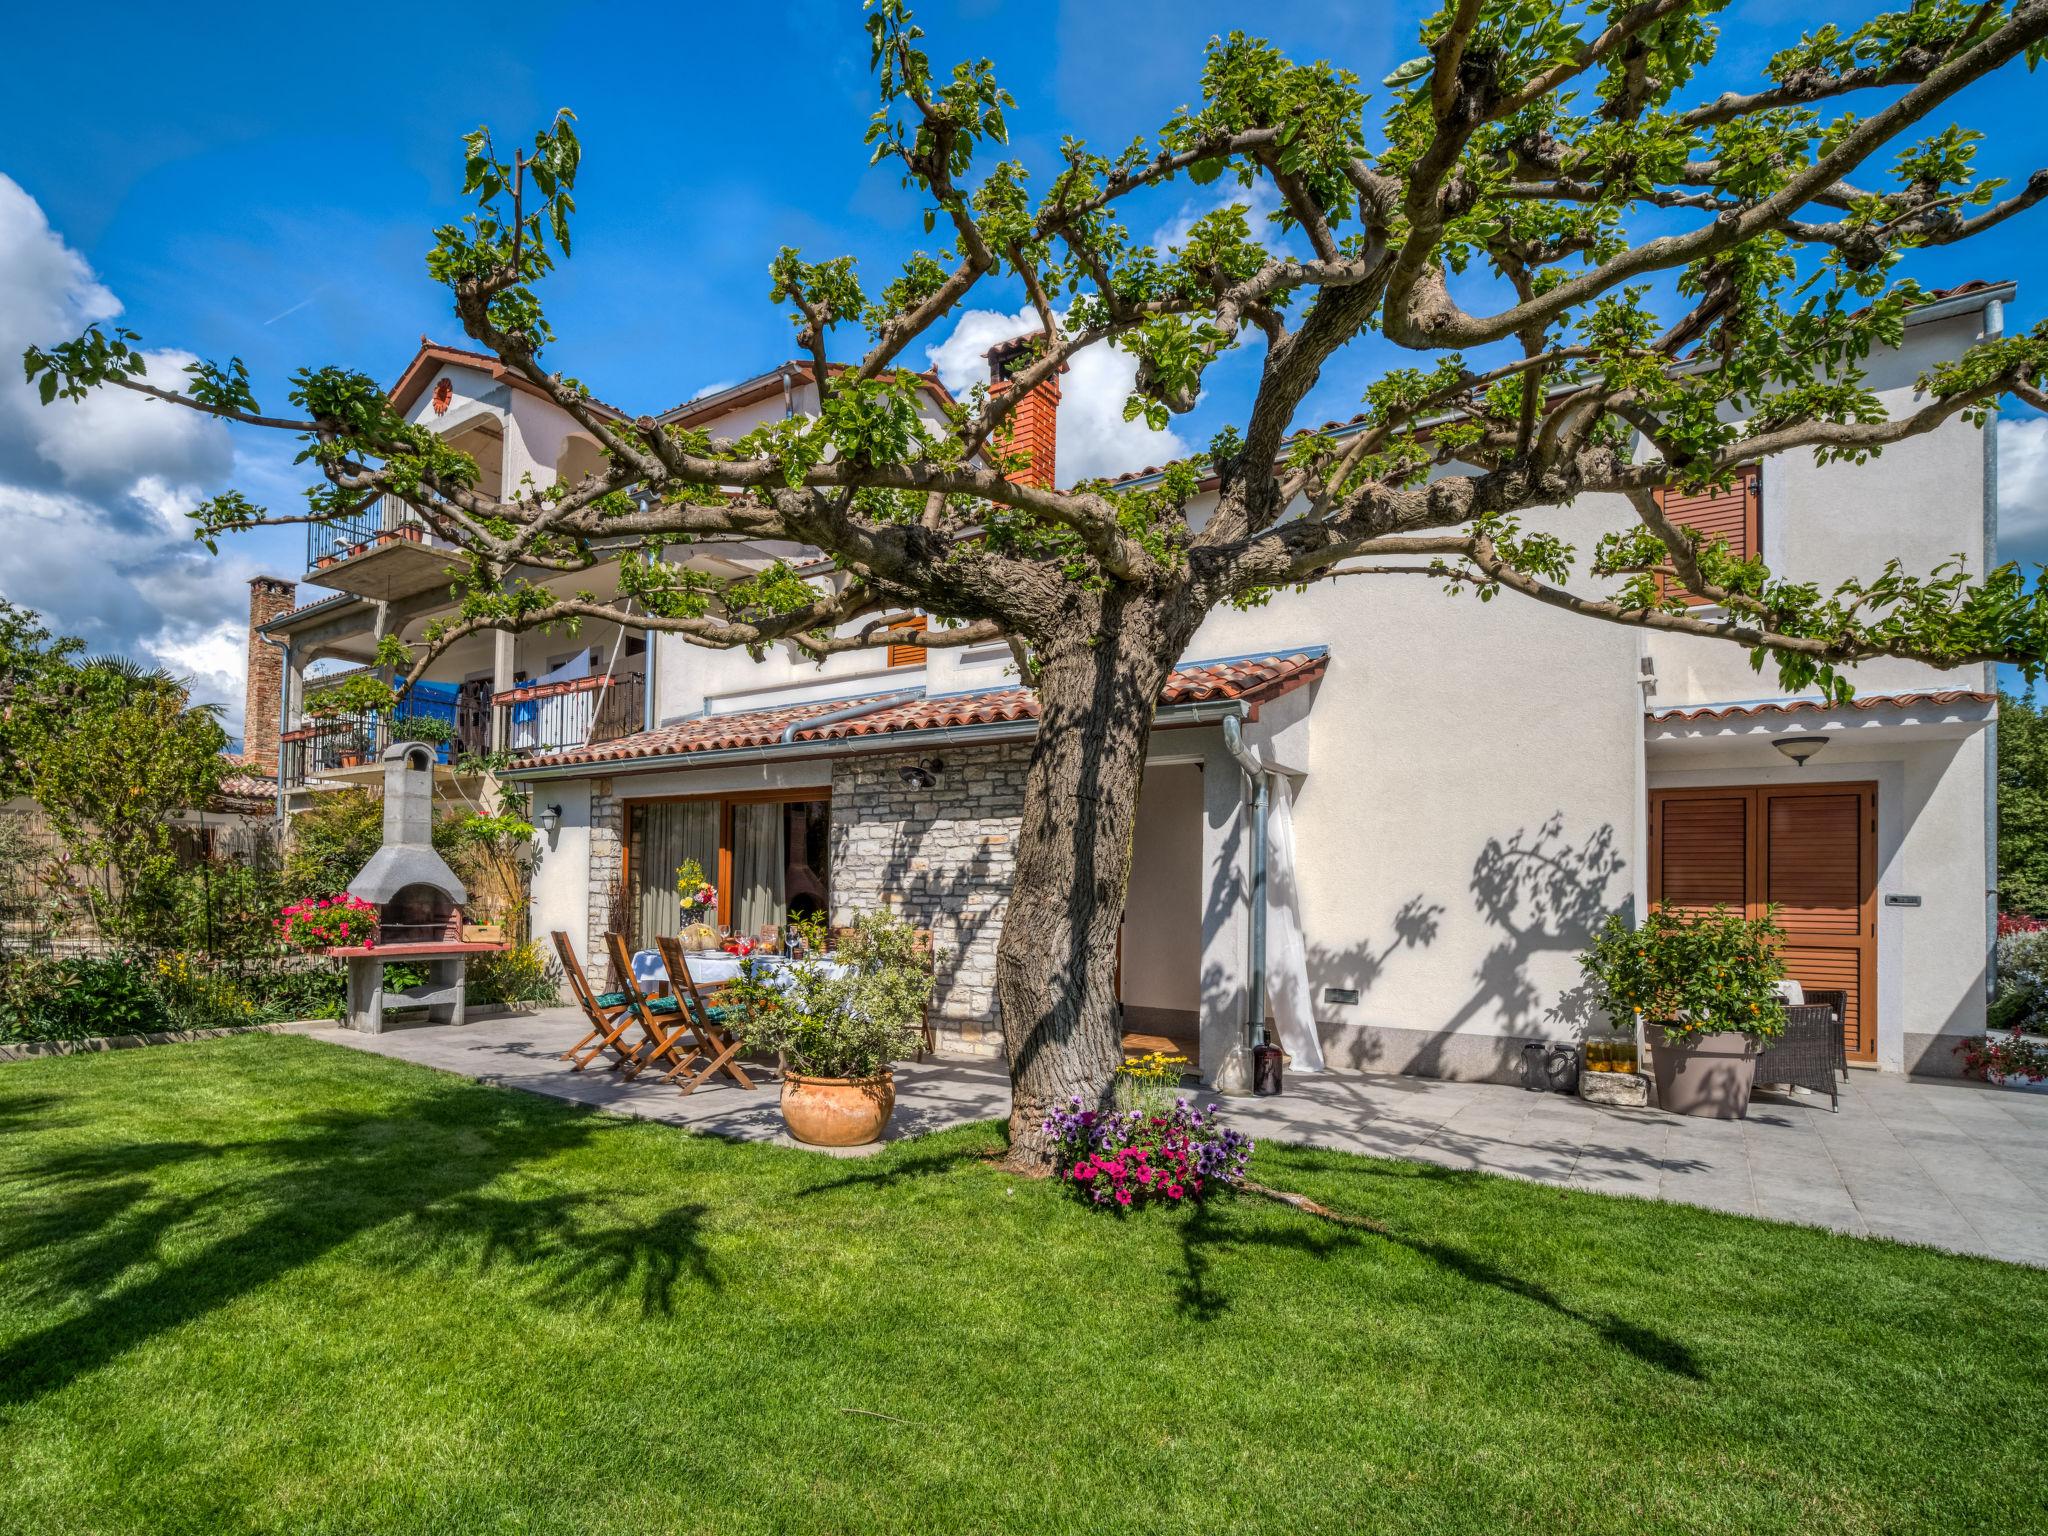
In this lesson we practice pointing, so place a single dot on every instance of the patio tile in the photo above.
(1959, 1166)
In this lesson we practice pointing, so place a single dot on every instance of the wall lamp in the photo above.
(550, 819)
(1800, 748)
(923, 773)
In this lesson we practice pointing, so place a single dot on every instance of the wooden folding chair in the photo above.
(721, 1044)
(658, 1044)
(609, 1014)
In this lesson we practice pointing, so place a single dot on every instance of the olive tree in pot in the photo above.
(839, 1026)
(1705, 986)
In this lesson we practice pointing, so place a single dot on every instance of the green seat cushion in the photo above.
(653, 1004)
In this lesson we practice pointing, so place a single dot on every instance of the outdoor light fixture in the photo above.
(550, 818)
(1799, 748)
(923, 773)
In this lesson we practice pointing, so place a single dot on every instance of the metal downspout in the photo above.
(1994, 327)
(284, 704)
(850, 712)
(1233, 740)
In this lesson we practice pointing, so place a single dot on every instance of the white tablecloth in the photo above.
(710, 969)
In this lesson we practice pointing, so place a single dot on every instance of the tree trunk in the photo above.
(1056, 961)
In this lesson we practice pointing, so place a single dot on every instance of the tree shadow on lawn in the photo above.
(421, 1169)
(1206, 1228)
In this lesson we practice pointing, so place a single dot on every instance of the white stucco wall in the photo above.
(1162, 952)
(1921, 501)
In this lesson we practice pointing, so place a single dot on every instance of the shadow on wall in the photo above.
(1541, 893)
(922, 874)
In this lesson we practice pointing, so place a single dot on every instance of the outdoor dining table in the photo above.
(714, 968)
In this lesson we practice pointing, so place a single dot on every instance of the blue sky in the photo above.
(264, 186)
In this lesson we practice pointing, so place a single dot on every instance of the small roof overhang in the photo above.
(1947, 714)
(1196, 693)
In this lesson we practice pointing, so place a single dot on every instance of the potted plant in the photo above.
(838, 1027)
(1705, 986)
(321, 923)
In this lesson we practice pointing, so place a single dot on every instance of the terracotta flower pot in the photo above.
(1706, 1075)
(837, 1111)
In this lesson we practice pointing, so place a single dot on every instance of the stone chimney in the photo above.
(269, 598)
(1034, 427)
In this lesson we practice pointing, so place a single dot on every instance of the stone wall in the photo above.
(943, 858)
(607, 864)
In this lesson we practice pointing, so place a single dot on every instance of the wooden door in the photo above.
(1810, 849)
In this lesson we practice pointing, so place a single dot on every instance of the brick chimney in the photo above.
(1034, 427)
(269, 598)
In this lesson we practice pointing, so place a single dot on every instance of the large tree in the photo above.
(1493, 216)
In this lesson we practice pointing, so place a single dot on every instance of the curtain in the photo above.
(1287, 990)
(664, 836)
(758, 865)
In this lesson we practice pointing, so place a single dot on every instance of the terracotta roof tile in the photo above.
(1253, 679)
(1864, 701)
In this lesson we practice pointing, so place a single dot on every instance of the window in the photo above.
(1733, 512)
(769, 855)
(908, 655)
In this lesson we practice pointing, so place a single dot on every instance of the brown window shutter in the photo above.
(1733, 513)
(908, 655)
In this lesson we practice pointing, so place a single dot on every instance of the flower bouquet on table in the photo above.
(697, 898)
(328, 922)
(1123, 1158)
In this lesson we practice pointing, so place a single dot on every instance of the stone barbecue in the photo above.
(418, 900)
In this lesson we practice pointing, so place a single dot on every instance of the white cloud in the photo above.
(2023, 487)
(93, 493)
(1258, 200)
(1094, 437)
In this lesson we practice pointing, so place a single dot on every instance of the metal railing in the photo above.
(329, 743)
(386, 520)
(551, 717)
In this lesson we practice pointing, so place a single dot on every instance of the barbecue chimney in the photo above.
(407, 866)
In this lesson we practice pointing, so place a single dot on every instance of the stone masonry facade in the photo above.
(943, 858)
(607, 866)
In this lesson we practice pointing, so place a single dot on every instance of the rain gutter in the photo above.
(1259, 792)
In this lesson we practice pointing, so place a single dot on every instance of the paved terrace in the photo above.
(1956, 1165)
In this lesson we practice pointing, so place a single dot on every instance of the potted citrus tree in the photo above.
(839, 1026)
(1705, 986)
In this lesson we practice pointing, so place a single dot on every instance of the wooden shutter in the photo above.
(1733, 513)
(1810, 850)
(1703, 851)
(1819, 846)
(908, 655)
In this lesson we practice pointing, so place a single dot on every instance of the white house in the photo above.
(1458, 793)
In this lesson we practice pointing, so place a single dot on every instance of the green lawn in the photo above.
(268, 1284)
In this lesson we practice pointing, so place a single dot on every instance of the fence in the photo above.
(549, 717)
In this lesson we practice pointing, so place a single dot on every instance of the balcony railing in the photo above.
(328, 744)
(386, 520)
(550, 717)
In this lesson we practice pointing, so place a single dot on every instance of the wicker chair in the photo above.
(1811, 1051)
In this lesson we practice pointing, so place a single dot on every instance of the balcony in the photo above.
(349, 746)
(551, 717)
(384, 551)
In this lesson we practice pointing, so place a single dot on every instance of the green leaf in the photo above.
(1409, 73)
(1202, 172)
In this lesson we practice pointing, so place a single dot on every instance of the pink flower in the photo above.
(1084, 1171)
(1173, 1191)
(1123, 1197)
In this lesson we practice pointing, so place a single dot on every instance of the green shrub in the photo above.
(2022, 1000)
(79, 998)
(525, 973)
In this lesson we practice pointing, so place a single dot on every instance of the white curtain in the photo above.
(1287, 992)
(663, 836)
(757, 865)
